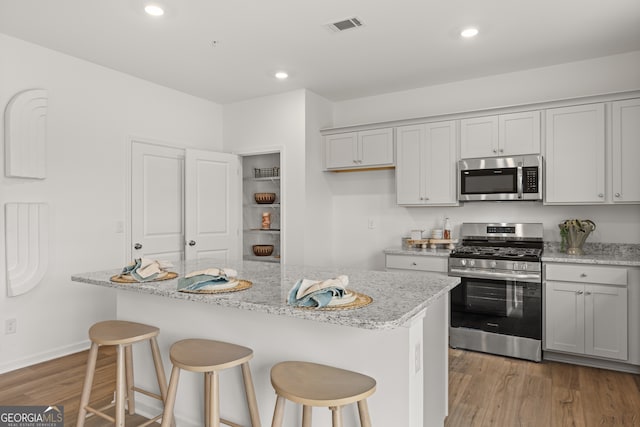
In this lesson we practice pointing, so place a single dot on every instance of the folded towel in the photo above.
(315, 293)
(209, 279)
(145, 269)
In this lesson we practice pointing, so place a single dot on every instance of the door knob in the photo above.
(137, 246)
(192, 243)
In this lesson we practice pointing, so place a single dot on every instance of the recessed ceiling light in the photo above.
(281, 75)
(469, 32)
(154, 10)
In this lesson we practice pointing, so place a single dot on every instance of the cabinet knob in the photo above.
(583, 275)
(137, 246)
(600, 195)
(495, 151)
(501, 150)
(617, 194)
(355, 161)
(579, 292)
(426, 198)
(192, 243)
(587, 293)
(413, 263)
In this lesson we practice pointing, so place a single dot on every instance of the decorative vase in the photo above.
(266, 220)
(575, 232)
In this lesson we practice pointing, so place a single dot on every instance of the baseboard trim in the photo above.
(591, 362)
(44, 356)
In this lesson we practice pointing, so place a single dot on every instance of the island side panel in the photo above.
(386, 355)
(436, 362)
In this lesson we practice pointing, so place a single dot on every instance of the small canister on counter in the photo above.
(416, 234)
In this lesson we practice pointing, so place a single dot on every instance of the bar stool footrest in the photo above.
(229, 423)
(99, 413)
(148, 393)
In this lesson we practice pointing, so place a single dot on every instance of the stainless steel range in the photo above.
(497, 308)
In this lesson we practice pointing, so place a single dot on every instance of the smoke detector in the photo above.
(344, 25)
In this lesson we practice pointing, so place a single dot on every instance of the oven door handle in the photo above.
(522, 277)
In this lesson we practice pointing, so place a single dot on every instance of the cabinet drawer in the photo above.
(421, 263)
(587, 274)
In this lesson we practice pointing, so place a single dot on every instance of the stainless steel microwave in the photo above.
(500, 178)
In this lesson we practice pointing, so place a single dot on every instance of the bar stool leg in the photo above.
(167, 415)
(128, 363)
(278, 412)
(120, 385)
(214, 399)
(162, 379)
(336, 416)
(306, 416)
(88, 383)
(363, 410)
(251, 395)
(207, 400)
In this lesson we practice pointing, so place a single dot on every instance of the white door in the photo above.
(564, 305)
(439, 164)
(626, 151)
(212, 205)
(519, 133)
(157, 214)
(575, 154)
(479, 137)
(409, 179)
(606, 321)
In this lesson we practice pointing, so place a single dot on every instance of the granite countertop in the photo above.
(398, 297)
(437, 252)
(596, 253)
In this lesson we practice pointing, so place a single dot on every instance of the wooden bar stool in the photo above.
(210, 357)
(311, 384)
(121, 334)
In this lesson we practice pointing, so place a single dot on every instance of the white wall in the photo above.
(276, 123)
(356, 197)
(92, 112)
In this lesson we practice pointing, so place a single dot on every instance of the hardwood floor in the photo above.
(489, 390)
(484, 390)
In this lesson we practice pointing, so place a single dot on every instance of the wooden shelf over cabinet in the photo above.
(433, 243)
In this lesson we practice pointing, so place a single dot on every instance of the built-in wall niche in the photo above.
(261, 217)
(25, 135)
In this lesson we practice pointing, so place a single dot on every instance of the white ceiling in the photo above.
(404, 44)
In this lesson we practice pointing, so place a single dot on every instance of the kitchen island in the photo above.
(400, 339)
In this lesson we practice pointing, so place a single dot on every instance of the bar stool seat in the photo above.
(210, 357)
(312, 384)
(122, 334)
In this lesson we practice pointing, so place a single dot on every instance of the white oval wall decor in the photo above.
(26, 245)
(25, 130)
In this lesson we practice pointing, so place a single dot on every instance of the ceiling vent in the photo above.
(347, 24)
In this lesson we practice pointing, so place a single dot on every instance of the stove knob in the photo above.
(493, 264)
(463, 262)
(515, 266)
(523, 266)
(472, 262)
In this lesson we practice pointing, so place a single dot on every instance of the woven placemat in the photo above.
(241, 286)
(361, 300)
(119, 278)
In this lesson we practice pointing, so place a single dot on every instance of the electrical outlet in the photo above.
(10, 326)
(371, 223)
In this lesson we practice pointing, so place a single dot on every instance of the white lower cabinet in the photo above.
(586, 310)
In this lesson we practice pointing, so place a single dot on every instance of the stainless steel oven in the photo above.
(497, 307)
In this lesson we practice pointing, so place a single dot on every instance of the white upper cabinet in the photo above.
(575, 155)
(626, 151)
(426, 164)
(365, 149)
(502, 135)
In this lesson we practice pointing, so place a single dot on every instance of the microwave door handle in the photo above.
(519, 181)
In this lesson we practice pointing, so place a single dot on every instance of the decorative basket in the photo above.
(262, 250)
(265, 198)
(266, 172)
